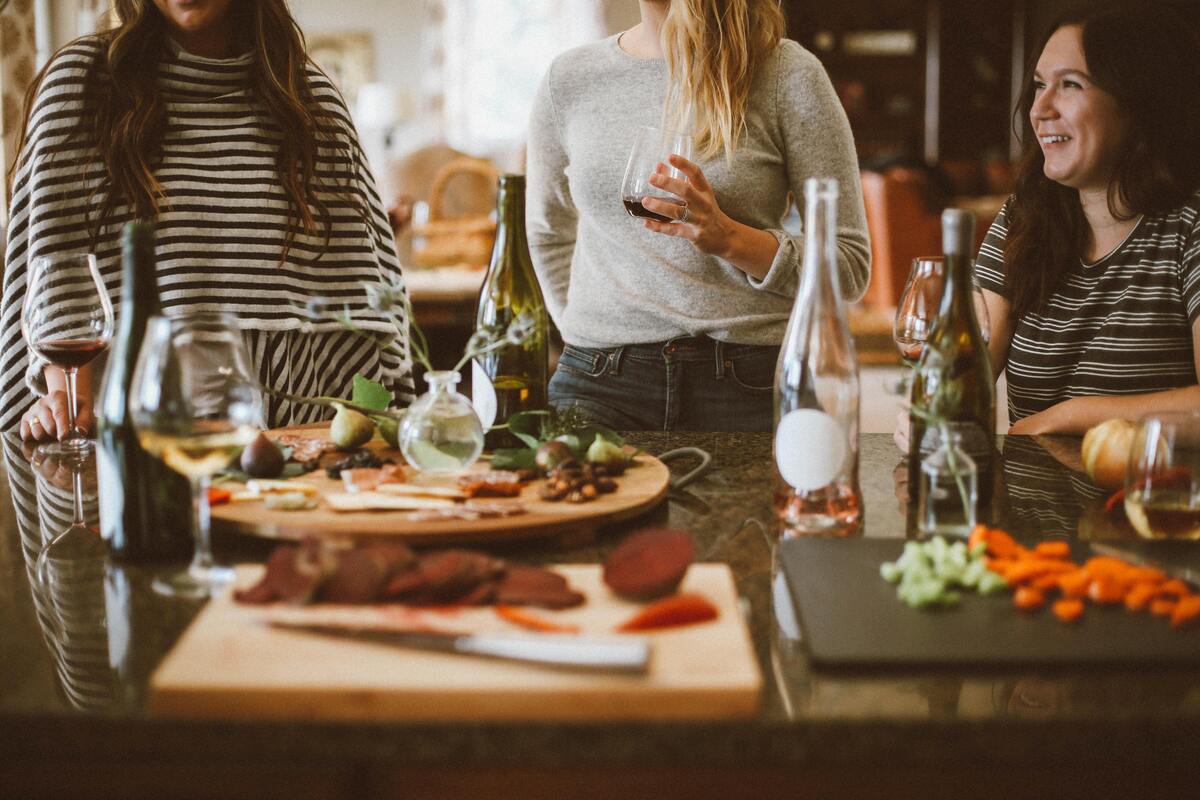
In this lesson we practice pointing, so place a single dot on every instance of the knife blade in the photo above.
(1191, 576)
(629, 655)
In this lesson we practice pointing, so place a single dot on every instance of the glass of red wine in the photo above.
(67, 320)
(650, 154)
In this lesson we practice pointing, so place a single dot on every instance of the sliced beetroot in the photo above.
(534, 586)
(650, 563)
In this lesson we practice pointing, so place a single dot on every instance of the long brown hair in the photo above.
(126, 116)
(713, 51)
(1147, 56)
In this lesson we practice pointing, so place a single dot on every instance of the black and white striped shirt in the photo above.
(1121, 326)
(221, 232)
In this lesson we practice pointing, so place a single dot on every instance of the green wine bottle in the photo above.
(952, 384)
(511, 378)
(144, 506)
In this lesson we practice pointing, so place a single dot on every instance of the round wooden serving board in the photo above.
(641, 488)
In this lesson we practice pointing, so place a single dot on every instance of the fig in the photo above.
(262, 458)
(350, 429)
(389, 429)
(552, 453)
(604, 452)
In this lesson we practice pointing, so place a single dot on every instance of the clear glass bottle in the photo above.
(952, 385)
(441, 433)
(817, 390)
(949, 487)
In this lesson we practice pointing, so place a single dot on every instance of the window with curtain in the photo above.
(495, 54)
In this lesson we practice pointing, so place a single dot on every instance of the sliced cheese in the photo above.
(416, 490)
(376, 501)
(262, 486)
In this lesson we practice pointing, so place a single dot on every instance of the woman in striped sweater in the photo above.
(207, 117)
(1091, 272)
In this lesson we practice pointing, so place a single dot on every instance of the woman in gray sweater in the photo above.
(677, 326)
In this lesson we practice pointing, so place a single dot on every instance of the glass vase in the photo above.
(441, 433)
(949, 488)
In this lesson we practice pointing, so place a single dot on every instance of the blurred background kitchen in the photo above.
(441, 91)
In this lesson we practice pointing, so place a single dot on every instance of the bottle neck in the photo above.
(820, 249)
(139, 279)
(958, 291)
(441, 381)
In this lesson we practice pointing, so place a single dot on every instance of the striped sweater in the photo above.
(221, 233)
(1121, 326)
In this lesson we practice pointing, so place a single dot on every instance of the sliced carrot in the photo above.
(1147, 575)
(1163, 606)
(1001, 545)
(1139, 596)
(1028, 569)
(978, 536)
(1068, 609)
(1057, 549)
(1074, 584)
(1187, 612)
(1106, 590)
(217, 495)
(1175, 588)
(1045, 583)
(534, 622)
(1028, 599)
(678, 609)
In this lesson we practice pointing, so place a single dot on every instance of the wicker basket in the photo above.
(444, 240)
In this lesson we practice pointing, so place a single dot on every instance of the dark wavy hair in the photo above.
(1147, 56)
(126, 117)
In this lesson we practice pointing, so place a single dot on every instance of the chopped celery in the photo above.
(930, 573)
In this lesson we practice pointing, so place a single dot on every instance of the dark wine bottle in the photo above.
(144, 506)
(952, 384)
(511, 378)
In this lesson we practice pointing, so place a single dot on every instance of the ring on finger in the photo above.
(687, 214)
(35, 421)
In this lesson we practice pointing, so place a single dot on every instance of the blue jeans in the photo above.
(686, 384)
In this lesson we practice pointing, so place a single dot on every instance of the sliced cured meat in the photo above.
(497, 483)
(450, 574)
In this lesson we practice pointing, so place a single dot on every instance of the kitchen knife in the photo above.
(629, 655)
(1191, 576)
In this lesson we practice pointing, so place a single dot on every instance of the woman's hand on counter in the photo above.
(701, 221)
(46, 420)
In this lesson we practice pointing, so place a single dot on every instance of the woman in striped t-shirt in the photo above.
(207, 117)
(1091, 273)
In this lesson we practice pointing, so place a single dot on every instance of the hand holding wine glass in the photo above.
(67, 320)
(195, 405)
(653, 149)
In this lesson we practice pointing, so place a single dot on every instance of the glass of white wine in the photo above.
(195, 404)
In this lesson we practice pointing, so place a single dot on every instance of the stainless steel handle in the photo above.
(697, 473)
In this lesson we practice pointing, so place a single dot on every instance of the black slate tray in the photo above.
(849, 615)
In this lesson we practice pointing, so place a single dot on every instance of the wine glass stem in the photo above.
(72, 374)
(202, 558)
(77, 492)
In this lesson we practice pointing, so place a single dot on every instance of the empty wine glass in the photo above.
(67, 319)
(650, 154)
(195, 405)
(918, 307)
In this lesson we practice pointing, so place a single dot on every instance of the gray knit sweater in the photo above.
(608, 281)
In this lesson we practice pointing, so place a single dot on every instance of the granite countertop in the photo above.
(80, 643)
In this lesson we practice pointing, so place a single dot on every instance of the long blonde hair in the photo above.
(713, 51)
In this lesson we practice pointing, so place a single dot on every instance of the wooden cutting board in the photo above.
(640, 488)
(230, 664)
(849, 615)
